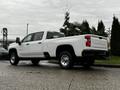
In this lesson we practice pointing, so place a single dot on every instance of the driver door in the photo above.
(25, 49)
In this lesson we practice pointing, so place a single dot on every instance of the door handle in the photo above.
(39, 42)
(100, 37)
(27, 44)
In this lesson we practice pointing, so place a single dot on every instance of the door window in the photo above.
(38, 36)
(28, 38)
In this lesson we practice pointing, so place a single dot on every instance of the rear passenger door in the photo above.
(37, 45)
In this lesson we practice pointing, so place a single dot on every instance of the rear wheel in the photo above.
(14, 60)
(35, 62)
(66, 60)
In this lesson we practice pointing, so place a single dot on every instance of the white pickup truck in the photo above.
(44, 45)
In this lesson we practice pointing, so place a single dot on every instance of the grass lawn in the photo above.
(111, 60)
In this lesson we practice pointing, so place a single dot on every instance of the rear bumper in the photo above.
(97, 54)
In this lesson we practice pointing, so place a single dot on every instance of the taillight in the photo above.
(87, 37)
(88, 42)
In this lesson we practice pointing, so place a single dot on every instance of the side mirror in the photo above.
(18, 40)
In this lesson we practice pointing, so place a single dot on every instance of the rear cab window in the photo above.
(53, 35)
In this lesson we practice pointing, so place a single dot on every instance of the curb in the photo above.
(107, 65)
(97, 65)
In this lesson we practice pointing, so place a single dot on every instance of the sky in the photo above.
(49, 14)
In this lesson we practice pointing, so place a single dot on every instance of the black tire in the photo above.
(66, 60)
(35, 62)
(14, 60)
(88, 62)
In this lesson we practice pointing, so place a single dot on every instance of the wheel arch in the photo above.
(12, 50)
(66, 47)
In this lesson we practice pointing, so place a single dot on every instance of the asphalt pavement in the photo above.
(48, 76)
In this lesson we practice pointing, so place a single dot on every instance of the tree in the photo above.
(73, 30)
(63, 30)
(115, 37)
(101, 29)
(66, 24)
(69, 29)
(85, 28)
(93, 30)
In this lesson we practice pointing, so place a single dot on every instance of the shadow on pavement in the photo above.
(49, 66)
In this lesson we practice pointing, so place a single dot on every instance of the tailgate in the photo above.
(99, 42)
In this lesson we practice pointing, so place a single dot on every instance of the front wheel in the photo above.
(14, 60)
(65, 60)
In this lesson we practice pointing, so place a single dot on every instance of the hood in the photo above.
(12, 45)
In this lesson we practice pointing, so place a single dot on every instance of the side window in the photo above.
(28, 38)
(38, 36)
(58, 35)
(49, 35)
